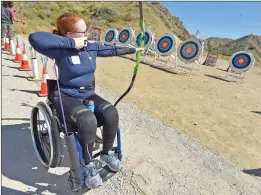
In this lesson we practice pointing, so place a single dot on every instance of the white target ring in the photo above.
(166, 44)
(149, 39)
(126, 35)
(241, 61)
(110, 37)
(190, 50)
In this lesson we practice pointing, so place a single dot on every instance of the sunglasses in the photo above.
(84, 32)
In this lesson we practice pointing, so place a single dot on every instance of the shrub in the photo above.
(128, 17)
(111, 19)
(104, 12)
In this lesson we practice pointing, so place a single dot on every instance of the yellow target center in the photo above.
(164, 44)
(240, 61)
(189, 50)
(123, 36)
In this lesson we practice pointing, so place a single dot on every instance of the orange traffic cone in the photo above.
(18, 54)
(7, 45)
(25, 62)
(44, 90)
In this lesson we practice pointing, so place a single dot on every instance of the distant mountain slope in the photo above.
(229, 46)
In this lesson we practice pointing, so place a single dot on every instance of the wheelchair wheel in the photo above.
(45, 135)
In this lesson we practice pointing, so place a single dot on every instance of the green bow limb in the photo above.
(141, 45)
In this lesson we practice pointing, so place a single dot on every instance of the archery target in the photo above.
(111, 36)
(166, 44)
(190, 50)
(241, 61)
(149, 39)
(126, 35)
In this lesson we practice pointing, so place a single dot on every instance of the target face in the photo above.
(110, 36)
(126, 35)
(190, 50)
(241, 61)
(166, 44)
(149, 39)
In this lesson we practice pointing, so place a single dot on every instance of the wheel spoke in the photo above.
(47, 144)
(45, 149)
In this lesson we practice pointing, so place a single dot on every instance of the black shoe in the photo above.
(73, 186)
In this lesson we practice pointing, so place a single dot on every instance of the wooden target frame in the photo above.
(211, 59)
(110, 37)
(165, 51)
(190, 52)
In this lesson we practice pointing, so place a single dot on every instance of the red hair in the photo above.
(66, 23)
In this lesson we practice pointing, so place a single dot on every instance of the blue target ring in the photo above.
(165, 44)
(147, 38)
(241, 61)
(124, 36)
(189, 50)
(110, 36)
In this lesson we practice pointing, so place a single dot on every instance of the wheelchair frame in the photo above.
(55, 127)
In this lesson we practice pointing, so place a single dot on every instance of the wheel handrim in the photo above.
(42, 136)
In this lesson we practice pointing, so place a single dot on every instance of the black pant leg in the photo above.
(106, 115)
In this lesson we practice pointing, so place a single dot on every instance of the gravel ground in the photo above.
(157, 159)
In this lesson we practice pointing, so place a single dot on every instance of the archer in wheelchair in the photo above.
(72, 105)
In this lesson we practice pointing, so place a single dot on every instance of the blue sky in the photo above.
(218, 19)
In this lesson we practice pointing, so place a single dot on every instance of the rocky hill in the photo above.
(41, 16)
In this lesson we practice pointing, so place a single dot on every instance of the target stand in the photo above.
(111, 36)
(239, 63)
(166, 51)
(189, 52)
(200, 60)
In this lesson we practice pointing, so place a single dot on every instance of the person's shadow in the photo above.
(254, 172)
(20, 164)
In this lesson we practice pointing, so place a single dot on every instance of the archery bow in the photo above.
(141, 45)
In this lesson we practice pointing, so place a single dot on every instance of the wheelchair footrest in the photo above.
(104, 172)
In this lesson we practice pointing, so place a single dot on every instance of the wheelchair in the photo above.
(47, 141)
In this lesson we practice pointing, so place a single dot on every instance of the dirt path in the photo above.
(157, 158)
(222, 115)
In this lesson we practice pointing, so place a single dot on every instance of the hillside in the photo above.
(229, 46)
(41, 16)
